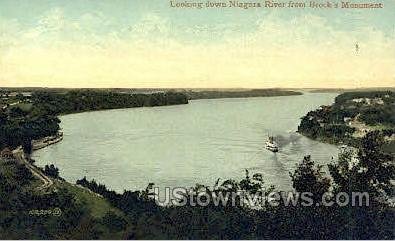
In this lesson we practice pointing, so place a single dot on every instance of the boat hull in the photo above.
(272, 149)
(271, 146)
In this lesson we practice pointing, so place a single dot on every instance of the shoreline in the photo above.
(190, 99)
(121, 108)
(36, 171)
(51, 140)
(46, 141)
(20, 157)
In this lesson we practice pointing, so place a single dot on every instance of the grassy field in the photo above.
(26, 107)
(389, 147)
(8, 169)
(97, 205)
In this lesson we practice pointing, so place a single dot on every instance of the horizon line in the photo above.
(202, 88)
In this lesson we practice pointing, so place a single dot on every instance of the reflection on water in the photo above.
(187, 144)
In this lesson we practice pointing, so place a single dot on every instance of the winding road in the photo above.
(20, 156)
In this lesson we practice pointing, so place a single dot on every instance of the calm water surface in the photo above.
(176, 146)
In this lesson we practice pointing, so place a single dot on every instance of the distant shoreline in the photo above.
(351, 117)
(220, 94)
(179, 89)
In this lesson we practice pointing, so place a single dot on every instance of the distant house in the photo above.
(347, 120)
(368, 101)
(26, 94)
(378, 101)
(359, 100)
(6, 153)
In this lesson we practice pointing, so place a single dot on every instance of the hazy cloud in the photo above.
(92, 51)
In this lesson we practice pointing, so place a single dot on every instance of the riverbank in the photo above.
(131, 215)
(46, 141)
(52, 104)
(47, 182)
(22, 159)
(190, 140)
(238, 93)
(351, 118)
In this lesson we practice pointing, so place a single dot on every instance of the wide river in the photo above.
(179, 146)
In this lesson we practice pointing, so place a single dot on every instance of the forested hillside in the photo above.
(351, 117)
(23, 119)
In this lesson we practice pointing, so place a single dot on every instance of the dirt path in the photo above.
(20, 156)
(38, 144)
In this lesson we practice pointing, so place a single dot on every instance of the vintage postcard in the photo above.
(197, 119)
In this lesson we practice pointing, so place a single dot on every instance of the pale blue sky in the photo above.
(67, 42)
(123, 13)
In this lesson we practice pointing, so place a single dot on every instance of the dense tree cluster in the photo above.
(51, 171)
(375, 107)
(316, 127)
(215, 94)
(330, 123)
(310, 178)
(131, 202)
(88, 100)
(19, 128)
(16, 219)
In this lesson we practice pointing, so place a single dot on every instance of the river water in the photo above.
(179, 146)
